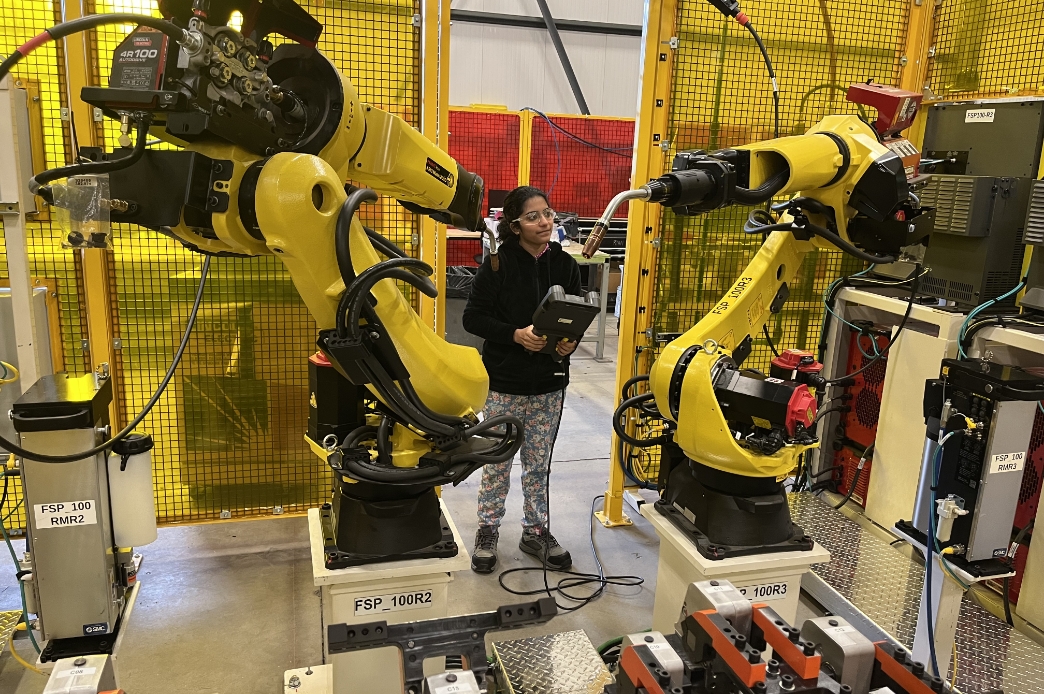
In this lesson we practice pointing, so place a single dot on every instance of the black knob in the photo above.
(754, 656)
(937, 684)
(741, 640)
(773, 666)
(793, 634)
(808, 648)
(918, 669)
(899, 655)
(662, 676)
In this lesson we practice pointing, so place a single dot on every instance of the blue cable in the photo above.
(981, 307)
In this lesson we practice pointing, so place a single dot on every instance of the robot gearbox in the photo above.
(269, 138)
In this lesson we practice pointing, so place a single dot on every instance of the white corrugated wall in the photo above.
(519, 67)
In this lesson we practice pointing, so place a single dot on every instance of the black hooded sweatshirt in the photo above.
(504, 301)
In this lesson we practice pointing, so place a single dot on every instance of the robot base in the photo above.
(370, 524)
(727, 515)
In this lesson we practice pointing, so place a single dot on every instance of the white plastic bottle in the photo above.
(130, 491)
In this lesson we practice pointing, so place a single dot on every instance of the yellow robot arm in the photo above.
(271, 138)
(845, 185)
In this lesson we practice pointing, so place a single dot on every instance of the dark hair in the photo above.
(514, 203)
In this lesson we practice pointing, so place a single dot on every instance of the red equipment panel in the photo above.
(582, 163)
(487, 144)
(858, 426)
(848, 458)
(462, 252)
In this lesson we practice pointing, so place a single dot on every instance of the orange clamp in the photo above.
(749, 673)
(806, 666)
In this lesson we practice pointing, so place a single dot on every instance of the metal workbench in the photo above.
(871, 583)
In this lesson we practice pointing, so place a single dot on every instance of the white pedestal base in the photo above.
(774, 579)
(349, 596)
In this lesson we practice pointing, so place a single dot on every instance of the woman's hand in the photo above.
(565, 347)
(530, 340)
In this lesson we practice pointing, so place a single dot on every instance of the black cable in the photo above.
(94, 167)
(621, 432)
(39, 457)
(60, 31)
(1017, 319)
(1007, 579)
(763, 193)
(618, 151)
(771, 73)
(827, 410)
(768, 339)
(342, 230)
(574, 579)
(891, 341)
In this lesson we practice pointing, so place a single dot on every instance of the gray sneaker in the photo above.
(536, 543)
(484, 557)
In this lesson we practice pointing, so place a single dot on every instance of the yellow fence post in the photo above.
(914, 60)
(525, 146)
(98, 290)
(650, 132)
(430, 49)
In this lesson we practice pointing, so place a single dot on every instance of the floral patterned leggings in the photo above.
(540, 415)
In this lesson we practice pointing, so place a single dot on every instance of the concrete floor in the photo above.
(227, 607)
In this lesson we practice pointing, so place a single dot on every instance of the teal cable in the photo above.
(980, 308)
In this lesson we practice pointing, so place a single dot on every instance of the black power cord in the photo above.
(1007, 579)
(40, 457)
(73, 26)
(771, 73)
(768, 339)
(573, 579)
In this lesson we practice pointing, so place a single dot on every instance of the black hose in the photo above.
(39, 457)
(356, 435)
(625, 391)
(766, 191)
(846, 246)
(384, 441)
(384, 245)
(388, 269)
(352, 290)
(94, 167)
(342, 232)
(622, 432)
(60, 31)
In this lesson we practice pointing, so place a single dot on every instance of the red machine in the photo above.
(896, 109)
(858, 427)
